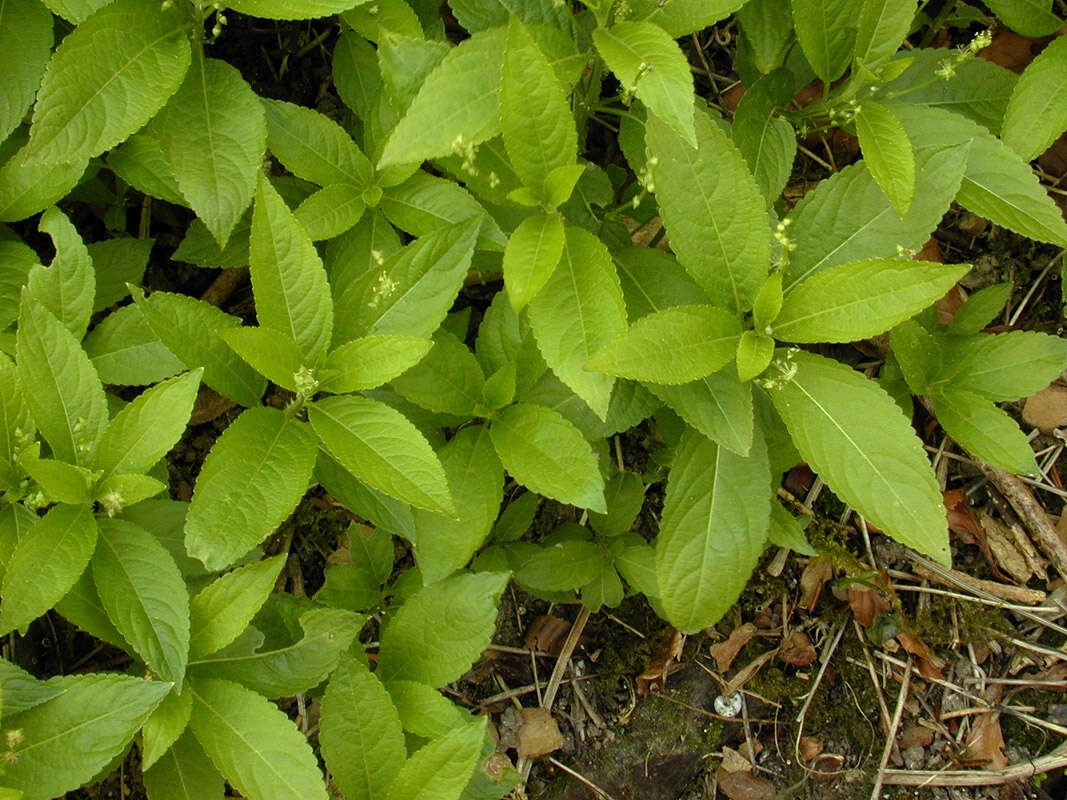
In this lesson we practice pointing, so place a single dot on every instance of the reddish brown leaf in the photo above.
(961, 518)
(927, 663)
(817, 572)
(985, 745)
(797, 650)
(868, 601)
(915, 734)
(1009, 50)
(743, 785)
(547, 634)
(810, 747)
(724, 653)
(655, 675)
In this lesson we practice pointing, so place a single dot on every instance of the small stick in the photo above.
(902, 696)
(1031, 512)
(1019, 771)
(581, 778)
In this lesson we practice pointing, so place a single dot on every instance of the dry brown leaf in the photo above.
(1009, 50)
(817, 572)
(810, 747)
(209, 406)
(724, 653)
(743, 785)
(915, 734)
(1047, 409)
(962, 520)
(547, 634)
(539, 734)
(745, 674)
(655, 675)
(928, 664)
(797, 650)
(985, 745)
(869, 600)
(733, 761)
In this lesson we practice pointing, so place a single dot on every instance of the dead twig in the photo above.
(898, 712)
(1022, 770)
(1031, 512)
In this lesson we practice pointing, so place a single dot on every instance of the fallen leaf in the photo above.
(817, 572)
(915, 734)
(210, 405)
(743, 785)
(868, 600)
(1009, 50)
(1006, 554)
(724, 653)
(810, 747)
(1047, 409)
(928, 664)
(962, 520)
(547, 634)
(797, 650)
(733, 761)
(539, 734)
(985, 745)
(655, 675)
(747, 672)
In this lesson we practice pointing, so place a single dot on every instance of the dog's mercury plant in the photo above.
(461, 158)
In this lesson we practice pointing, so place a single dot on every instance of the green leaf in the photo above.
(141, 163)
(579, 311)
(997, 184)
(412, 291)
(331, 211)
(883, 25)
(67, 399)
(253, 744)
(440, 769)
(768, 143)
(73, 736)
(16, 261)
(1003, 366)
(718, 406)
(754, 354)
(66, 287)
(269, 352)
(15, 522)
(125, 350)
(499, 388)
(184, 772)
(125, 489)
(146, 429)
(979, 91)
(58, 480)
(424, 711)
(388, 16)
(81, 605)
(75, 11)
(448, 380)
(674, 346)
(887, 152)
(441, 629)
(457, 106)
(165, 726)
(288, 279)
(536, 119)
(25, 188)
(858, 441)
(144, 594)
(1027, 17)
(424, 203)
(213, 132)
(985, 430)
(713, 530)
(768, 303)
(116, 263)
(292, 9)
(381, 509)
(981, 309)
(788, 531)
(16, 425)
(107, 79)
(187, 328)
(826, 30)
(547, 454)
(766, 28)
(604, 590)
(853, 301)
(847, 217)
(22, 691)
(533, 251)
(563, 566)
(683, 17)
(380, 446)
(370, 361)
(625, 494)
(292, 668)
(648, 62)
(355, 74)
(252, 479)
(713, 210)
(314, 147)
(223, 608)
(359, 730)
(25, 45)
(1037, 110)
(405, 61)
(199, 246)
(476, 480)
